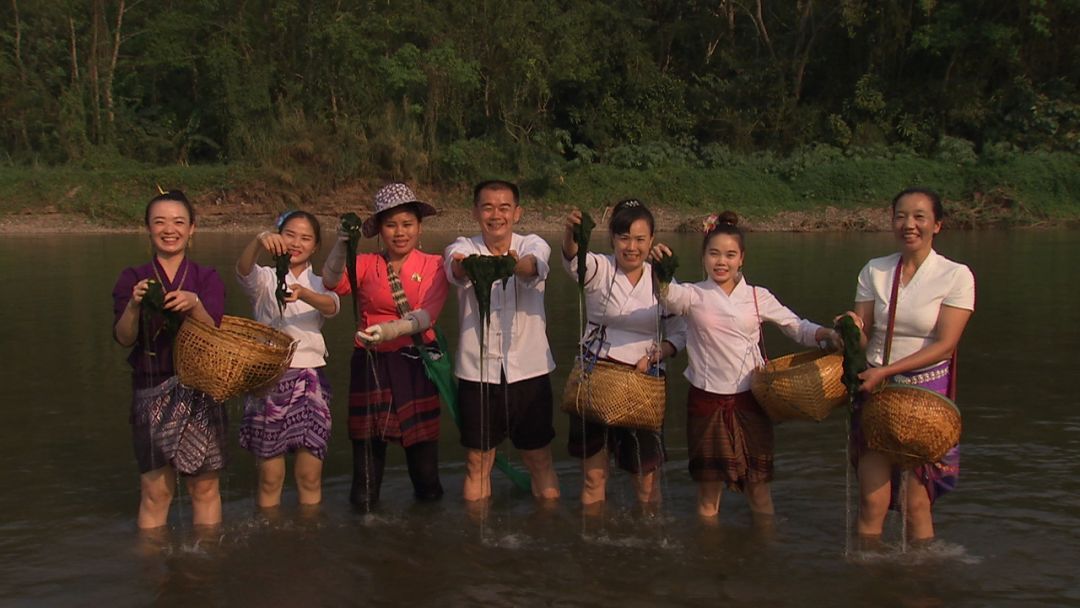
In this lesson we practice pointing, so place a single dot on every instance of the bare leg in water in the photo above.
(596, 469)
(478, 474)
(545, 484)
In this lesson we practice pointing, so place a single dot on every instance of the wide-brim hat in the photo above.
(389, 197)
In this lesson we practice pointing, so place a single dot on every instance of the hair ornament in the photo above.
(160, 189)
(709, 223)
(279, 223)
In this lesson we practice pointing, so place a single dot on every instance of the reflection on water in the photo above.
(1007, 535)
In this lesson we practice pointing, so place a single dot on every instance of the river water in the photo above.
(1007, 536)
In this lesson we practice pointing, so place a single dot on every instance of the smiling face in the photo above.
(914, 222)
(300, 240)
(400, 232)
(632, 246)
(496, 212)
(722, 260)
(170, 227)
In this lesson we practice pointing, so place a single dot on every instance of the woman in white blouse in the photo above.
(623, 328)
(729, 436)
(935, 297)
(293, 416)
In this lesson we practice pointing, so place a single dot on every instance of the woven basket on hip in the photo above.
(615, 395)
(911, 425)
(241, 356)
(802, 386)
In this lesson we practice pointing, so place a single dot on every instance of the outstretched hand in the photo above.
(272, 242)
(658, 252)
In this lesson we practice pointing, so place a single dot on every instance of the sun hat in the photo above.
(390, 196)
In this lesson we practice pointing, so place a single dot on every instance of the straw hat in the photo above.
(390, 196)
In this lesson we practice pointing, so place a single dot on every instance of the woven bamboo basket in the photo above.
(616, 395)
(910, 424)
(239, 357)
(802, 386)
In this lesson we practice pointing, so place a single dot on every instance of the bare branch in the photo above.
(18, 41)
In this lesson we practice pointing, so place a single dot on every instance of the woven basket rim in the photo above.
(790, 393)
(765, 368)
(246, 355)
(263, 328)
(643, 416)
(912, 387)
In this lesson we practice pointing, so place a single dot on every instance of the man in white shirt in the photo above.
(506, 390)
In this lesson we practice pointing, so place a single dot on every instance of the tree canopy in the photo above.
(446, 90)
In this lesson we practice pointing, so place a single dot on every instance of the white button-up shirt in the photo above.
(627, 312)
(300, 320)
(724, 331)
(938, 282)
(516, 339)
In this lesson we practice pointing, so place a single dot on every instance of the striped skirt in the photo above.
(730, 439)
(294, 415)
(176, 425)
(391, 398)
(938, 478)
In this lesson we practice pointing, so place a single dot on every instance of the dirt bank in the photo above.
(254, 209)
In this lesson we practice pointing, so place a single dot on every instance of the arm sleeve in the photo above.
(212, 295)
(539, 248)
(256, 281)
(122, 292)
(432, 300)
(962, 294)
(592, 267)
(800, 330)
(460, 245)
(343, 287)
(318, 287)
(864, 291)
(675, 331)
(677, 299)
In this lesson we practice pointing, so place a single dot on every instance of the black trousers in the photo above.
(369, 461)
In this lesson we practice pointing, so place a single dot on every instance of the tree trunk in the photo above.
(74, 54)
(18, 42)
(109, 111)
(96, 16)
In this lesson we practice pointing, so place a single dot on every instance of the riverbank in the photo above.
(795, 194)
(226, 217)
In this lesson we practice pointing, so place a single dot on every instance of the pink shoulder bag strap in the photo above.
(761, 327)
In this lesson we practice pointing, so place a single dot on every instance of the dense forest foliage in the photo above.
(451, 90)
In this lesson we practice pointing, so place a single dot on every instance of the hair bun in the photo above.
(728, 217)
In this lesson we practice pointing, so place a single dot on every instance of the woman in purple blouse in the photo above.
(175, 429)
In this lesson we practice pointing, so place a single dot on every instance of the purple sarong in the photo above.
(938, 478)
(294, 415)
(173, 424)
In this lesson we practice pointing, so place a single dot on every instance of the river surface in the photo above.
(1007, 537)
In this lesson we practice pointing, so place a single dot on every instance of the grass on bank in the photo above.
(1020, 189)
(114, 196)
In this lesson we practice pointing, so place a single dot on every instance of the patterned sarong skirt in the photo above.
(391, 398)
(294, 415)
(730, 439)
(173, 424)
